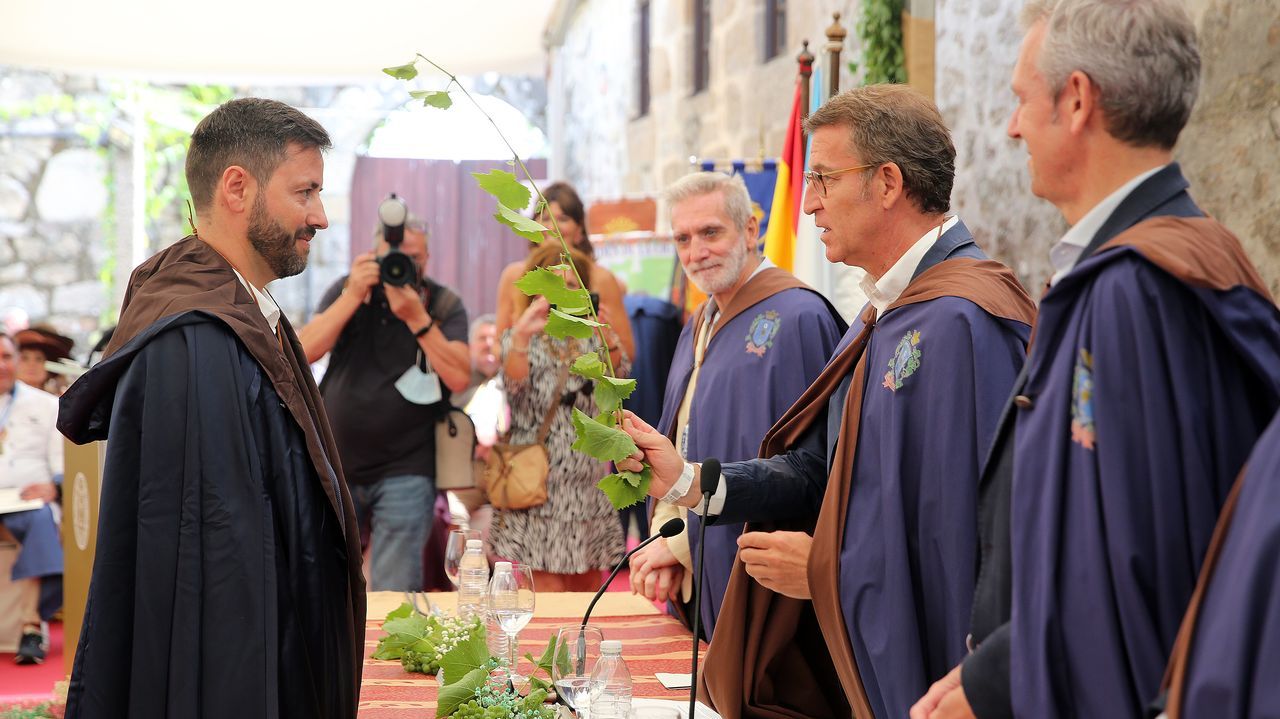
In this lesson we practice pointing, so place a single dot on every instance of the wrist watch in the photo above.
(431, 322)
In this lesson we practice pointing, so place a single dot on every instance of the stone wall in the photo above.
(602, 145)
(977, 45)
(1230, 150)
(53, 192)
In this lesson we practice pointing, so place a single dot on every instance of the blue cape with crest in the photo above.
(1154, 367)
(766, 348)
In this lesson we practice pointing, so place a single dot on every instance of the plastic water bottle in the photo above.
(499, 644)
(473, 581)
(610, 683)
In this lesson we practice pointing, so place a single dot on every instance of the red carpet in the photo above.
(34, 682)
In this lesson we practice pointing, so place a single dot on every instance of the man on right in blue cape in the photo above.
(1227, 656)
(1154, 367)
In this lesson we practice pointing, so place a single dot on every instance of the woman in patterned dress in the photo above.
(575, 534)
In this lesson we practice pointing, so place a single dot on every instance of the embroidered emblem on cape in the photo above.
(763, 329)
(1082, 432)
(904, 362)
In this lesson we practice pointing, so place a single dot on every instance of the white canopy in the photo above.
(270, 41)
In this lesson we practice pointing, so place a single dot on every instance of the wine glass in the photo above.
(577, 649)
(453, 551)
(510, 605)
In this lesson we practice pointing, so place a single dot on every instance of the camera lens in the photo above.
(397, 269)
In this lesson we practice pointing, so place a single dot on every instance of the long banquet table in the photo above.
(651, 642)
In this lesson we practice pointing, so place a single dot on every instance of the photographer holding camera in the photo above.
(398, 344)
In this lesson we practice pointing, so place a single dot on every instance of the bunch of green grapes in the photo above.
(473, 710)
(507, 706)
(420, 662)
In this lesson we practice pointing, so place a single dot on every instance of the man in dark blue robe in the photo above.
(227, 576)
(1154, 367)
(879, 458)
(1227, 656)
(747, 353)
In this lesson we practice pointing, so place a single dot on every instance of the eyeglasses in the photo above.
(818, 180)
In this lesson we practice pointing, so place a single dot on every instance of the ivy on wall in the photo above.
(880, 30)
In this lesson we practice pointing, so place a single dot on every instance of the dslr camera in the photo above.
(395, 267)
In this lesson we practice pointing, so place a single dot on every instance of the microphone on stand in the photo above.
(710, 481)
(671, 528)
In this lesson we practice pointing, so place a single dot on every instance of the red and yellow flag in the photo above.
(780, 237)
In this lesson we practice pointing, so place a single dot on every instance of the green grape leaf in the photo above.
(610, 391)
(620, 491)
(549, 284)
(575, 310)
(544, 662)
(415, 625)
(457, 693)
(561, 325)
(608, 444)
(504, 186)
(433, 98)
(402, 633)
(608, 419)
(400, 612)
(589, 366)
(519, 224)
(422, 646)
(392, 647)
(403, 72)
(465, 657)
(536, 683)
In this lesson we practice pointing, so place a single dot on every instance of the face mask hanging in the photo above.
(419, 384)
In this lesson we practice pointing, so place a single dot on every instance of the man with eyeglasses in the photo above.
(858, 597)
(396, 354)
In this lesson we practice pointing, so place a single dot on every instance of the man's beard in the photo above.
(723, 277)
(275, 244)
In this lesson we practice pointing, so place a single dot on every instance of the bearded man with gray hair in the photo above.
(1156, 365)
(748, 352)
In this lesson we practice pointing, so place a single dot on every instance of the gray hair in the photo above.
(479, 322)
(737, 201)
(1141, 54)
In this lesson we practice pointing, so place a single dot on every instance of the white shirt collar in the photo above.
(883, 292)
(267, 306)
(1066, 252)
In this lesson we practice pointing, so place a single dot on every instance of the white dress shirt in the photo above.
(267, 306)
(1066, 252)
(885, 291)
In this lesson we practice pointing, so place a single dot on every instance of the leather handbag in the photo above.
(515, 475)
(455, 449)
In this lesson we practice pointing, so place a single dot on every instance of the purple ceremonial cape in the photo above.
(916, 398)
(1154, 367)
(1227, 657)
(762, 354)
